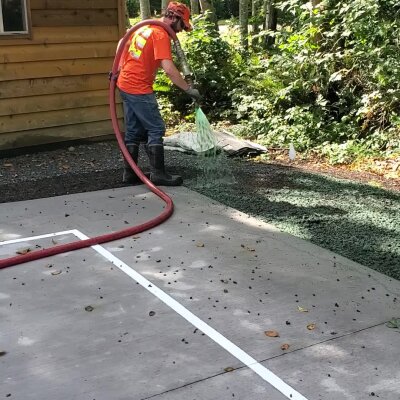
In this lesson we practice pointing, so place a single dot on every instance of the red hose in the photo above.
(80, 244)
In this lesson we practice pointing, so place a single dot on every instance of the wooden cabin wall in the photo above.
(54, 86)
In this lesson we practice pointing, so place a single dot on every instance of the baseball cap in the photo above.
(182, 11)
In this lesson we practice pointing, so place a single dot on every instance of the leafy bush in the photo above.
(215, 65)
(331, 82)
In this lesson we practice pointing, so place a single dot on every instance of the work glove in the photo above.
(193, 93)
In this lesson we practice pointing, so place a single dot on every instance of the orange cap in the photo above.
(182, 11)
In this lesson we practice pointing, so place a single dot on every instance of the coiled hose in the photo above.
(80, 244)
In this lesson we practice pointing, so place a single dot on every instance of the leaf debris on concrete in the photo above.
(57, 272)
(24, 250)
(393, 323)
(271, 333)
(302, 309)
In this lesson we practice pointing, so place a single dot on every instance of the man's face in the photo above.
(177, 25)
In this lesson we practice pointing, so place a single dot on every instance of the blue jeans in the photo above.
(143, 122)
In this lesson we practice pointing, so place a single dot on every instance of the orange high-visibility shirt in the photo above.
(148, 46)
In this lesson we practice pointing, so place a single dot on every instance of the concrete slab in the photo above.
(240, 276)
(362, 365)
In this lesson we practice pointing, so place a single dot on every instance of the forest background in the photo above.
(323, 75)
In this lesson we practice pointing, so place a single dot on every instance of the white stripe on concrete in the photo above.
(238, 353)
(47, 235)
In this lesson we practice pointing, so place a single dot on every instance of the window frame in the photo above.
(18, 34)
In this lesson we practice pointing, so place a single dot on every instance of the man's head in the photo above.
(179, 15)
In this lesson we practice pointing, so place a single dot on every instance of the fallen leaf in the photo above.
(24, 251)
(271, 333)
(2, 353)
(89, 308)
(135, 237)
(200, 244)
(58, 272)
(393, 323)
(311, 327)
(285, 346)
(302, 309)
(152, 313)
(229, 369)
(375, 183)
(54, 241)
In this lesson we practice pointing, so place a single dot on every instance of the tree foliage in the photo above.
(329, 78)
(216, 67)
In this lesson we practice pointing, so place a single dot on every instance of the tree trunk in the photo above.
(164, 4)
(244, 23)
(126, 13)
(255, 11)
(314, 5)
(207, 5)
(145, 12)
(255, 15)
(195, 7)
(271, 21)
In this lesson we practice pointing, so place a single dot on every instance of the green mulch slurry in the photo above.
(358, 221)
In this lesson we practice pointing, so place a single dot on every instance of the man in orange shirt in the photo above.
(149, 49)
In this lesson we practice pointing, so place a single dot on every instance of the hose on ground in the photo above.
(168, 210)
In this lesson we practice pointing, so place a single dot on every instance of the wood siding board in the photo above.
(67, 34)
(53, 135)
(49, 102)
(47, 119)
(64, 51)
(74, 17)
(37, 69)
(72, 4)
(42, 86)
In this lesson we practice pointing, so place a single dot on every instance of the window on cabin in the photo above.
(13, 17)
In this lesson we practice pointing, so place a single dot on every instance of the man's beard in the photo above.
(176, 26)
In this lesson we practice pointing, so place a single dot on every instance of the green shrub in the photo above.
(215, 65)
(331, 82)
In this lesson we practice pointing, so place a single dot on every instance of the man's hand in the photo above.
(193, 93)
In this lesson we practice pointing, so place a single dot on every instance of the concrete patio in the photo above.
(180, 311)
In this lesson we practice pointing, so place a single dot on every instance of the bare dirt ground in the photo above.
(379, 173)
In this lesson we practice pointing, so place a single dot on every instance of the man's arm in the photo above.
(173, 73)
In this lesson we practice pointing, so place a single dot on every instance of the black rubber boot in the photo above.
(157, 167)
(129, 176)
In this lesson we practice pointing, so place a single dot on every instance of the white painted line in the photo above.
(238, 353)
(47, 235)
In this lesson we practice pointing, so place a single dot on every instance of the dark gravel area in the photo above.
(356, 220)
